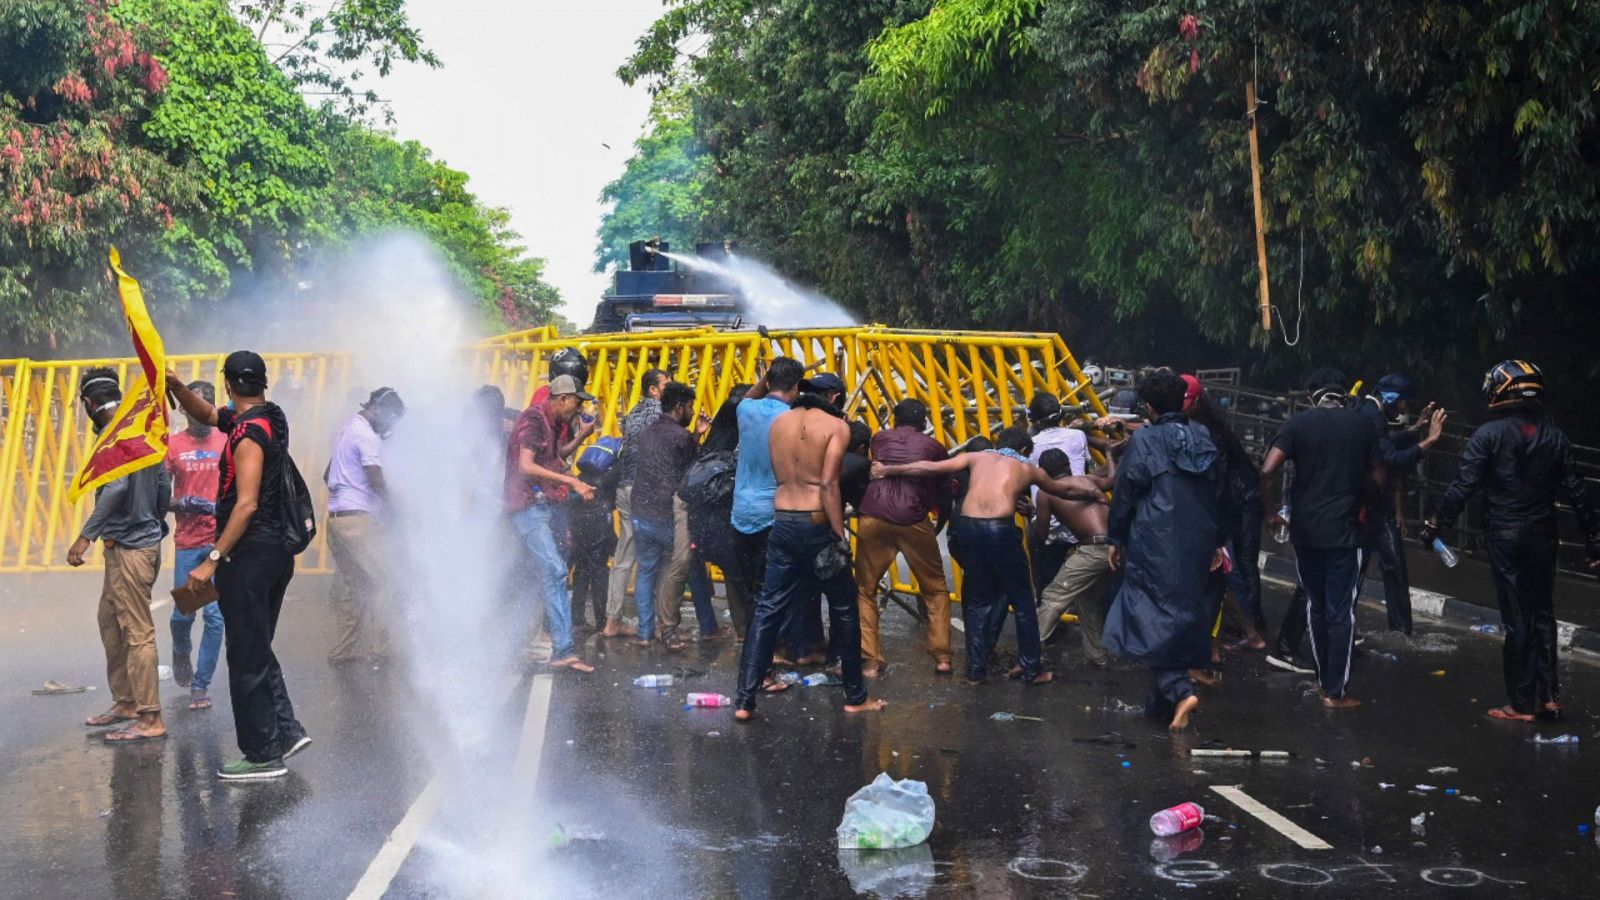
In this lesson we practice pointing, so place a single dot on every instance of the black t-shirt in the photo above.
(267, 426)
(1333, 451)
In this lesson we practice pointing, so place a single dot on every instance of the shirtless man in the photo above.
(1081, 581)
(807, 446)
(997, 573)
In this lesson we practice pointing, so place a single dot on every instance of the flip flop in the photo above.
(573, 663)
(110, 737)
(106, 720)
(773, 687)
(198, 703)
(56, 687)
(1507, 714)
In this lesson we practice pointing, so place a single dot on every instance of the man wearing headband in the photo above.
(1401, 450)
(1336, 460)
(250, 562)
(356, 494)
(129, 518)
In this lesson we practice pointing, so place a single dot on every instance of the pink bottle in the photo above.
(710, 700)
(1178, 819)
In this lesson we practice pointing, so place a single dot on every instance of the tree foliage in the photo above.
(1429, 169)
(164, 127)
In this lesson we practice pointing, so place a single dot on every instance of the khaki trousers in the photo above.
(878, 542)
(127, 629)
(669, 586)
(623, 559)
(359, 552)
(1080, 586)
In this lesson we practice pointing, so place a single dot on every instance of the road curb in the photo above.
(1442, 606)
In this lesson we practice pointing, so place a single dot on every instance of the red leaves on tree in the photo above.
(1189, 27)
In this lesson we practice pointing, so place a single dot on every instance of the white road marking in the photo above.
(160, 603)
(392, 855)
(1278, 823)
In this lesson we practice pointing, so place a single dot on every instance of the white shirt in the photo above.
(1075, 444)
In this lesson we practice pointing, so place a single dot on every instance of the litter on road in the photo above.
(886, 814)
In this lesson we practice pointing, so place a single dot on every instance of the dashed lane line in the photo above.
(1272, 819)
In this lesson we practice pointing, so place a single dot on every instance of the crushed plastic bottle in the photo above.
(1558, 739)
(1445, 554)
(819, 679)
(163, 673)
(788, 677)
(1487, 628)
(1281, 533)
(708, 700)
(1177, 819)
(653, 681)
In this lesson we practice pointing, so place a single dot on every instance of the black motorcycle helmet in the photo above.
(568, 361)
(1512, 383)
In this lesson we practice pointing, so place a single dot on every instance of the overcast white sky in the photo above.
(527, 96)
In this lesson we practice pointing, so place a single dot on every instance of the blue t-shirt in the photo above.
(754, 485)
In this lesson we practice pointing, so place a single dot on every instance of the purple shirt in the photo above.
(904, 500)
(357, 446)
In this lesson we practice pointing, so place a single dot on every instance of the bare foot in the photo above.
(743, 715)
(573, 663)
(641, 642)
(117, 713)
(614, 629)
(1509, 714)
(773, 686)
(1042, 678)
(1205, 677)
(1180, 715)
(869, 706)
(782, 661)
(868, 673)
(1256, 643)
(1349, 703)
(941, 668)
(812, 659)
(1551, 710)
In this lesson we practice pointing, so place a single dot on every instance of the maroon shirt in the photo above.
(904, 500)
(533, 431)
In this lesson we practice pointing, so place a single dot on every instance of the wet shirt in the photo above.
(1075, 444)
(533, 431)
(1333, 451)
(131, 511)
(666, 450)
(904, 500)
(195, 466)
(1520, 463)
(754, 485)
(357, 447)
(266, 426)
(642, 416)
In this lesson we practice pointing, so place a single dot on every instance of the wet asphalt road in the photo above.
(665, 802)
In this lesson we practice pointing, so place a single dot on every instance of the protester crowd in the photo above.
(1147, 527)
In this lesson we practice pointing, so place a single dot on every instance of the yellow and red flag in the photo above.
(136, 437)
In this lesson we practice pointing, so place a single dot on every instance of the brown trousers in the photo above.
(359, 552)
(674, 572)
(878, 542)
(1081, 587)
(127, 629)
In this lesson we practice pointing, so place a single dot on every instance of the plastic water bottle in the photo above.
(1281, 533)
(1178, 819)
(1558, 739)
(709, 700)
(1446, 555)
(1486, 628)
(790, 677)
(819, 679)
(653, 681)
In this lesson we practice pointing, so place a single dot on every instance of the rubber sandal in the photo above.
(773, 687)
(1507, 714)
(199, 703)
(110, 737)
(106, 720)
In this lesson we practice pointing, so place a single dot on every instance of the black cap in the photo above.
(245, 366)
(823, 383)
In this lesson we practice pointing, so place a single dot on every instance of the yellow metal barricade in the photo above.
(973, 382)
(47, 435)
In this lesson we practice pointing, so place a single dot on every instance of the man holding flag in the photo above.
(130, 518)
(132, 492)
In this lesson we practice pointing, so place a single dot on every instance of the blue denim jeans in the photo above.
(183, 562)
(791, 580)
(542, 529)
(701, 592)
(652, 547)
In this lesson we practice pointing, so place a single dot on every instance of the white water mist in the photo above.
(770, 299)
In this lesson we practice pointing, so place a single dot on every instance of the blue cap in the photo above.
(1395, 387)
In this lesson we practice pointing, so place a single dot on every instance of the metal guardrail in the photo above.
(1256, 416)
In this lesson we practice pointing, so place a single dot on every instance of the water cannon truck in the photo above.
(655, 293)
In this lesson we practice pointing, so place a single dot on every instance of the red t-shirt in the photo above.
(193, 464)
(533, 431)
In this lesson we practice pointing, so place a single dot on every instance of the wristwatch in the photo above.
(214, 556)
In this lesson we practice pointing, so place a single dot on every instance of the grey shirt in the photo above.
(132, 511)
(642, 416)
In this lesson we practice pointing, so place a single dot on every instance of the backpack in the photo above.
(297, 514)
(709, 481)
(600, 456)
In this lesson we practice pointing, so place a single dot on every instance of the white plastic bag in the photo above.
(886, 814)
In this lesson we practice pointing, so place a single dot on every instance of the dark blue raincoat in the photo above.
(1167, 515)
